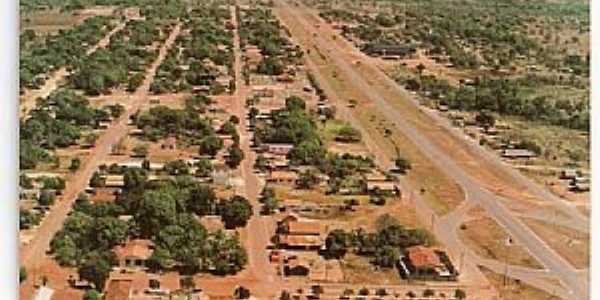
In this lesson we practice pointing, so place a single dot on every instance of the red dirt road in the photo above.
(33, 255)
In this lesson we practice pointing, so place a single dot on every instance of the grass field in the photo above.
(49, 21)
(569, 243)
(489, 240)
(513, 290)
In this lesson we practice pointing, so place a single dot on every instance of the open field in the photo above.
(489, 240)
(571, 244)
(511, 290)
(358, 270)
(49, 21)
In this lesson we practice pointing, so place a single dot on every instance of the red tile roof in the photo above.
(140, 249)
(304, 228)
(301, 240)
(423, 257)
(118, 289)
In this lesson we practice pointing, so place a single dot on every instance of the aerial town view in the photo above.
(304, 149)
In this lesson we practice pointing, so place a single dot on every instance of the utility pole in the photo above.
(506, 263)
(462, 261)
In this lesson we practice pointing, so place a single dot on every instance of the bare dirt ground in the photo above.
(358, 270)
(571, 244)
(259, 276)
(489, 240)
(509, 289)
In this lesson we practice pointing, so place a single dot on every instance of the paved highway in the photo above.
(473, 190)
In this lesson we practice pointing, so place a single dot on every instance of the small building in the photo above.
(581, 187)
(282, 177)
(170, 143)
(518, 153)
(383, 186)
(32, 194)
(104, 194)
(136, 132)
(569, 174)
(115, 181)
(303, 228)
(103, 125)
(387, 50)
(299, 234)
(296, 266)
(275, 256)
(134, 253)
(300, 242)
(43, 293)
(287, 78)
(118, 289)
(279, 148)
(156, 166)
(279, 163)
(425, 263)
(263, 92)
(131, 164)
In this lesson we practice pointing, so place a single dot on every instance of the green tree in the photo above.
(235, 157)
(177, 167)
(75, 164)
(386, 256)
(97, 267)
(158, 208)
(460, 294)
(307, 179)
(228, 128)
(402, 164)
(348, 134)
(92, 295)
(336, 244)
(109, 232)
(22, 274)
(270, 66)
(295, 103)
(135, 178)
(97, 180)
(235, 212)
(140, 150)
(28, 219)
(384, 221)
(210, 145)
(485, 119)
(204, 167)
(202, 200)
(261, 163)
(47, 198)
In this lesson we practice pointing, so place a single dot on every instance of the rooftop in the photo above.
(141, 249)
(423, 257)
(304, 228)
(301, 240)
(118, 289)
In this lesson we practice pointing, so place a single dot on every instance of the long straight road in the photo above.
(259, 229)
(32, 254)
(473, 189)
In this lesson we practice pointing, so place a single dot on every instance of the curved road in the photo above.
(474, 190)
